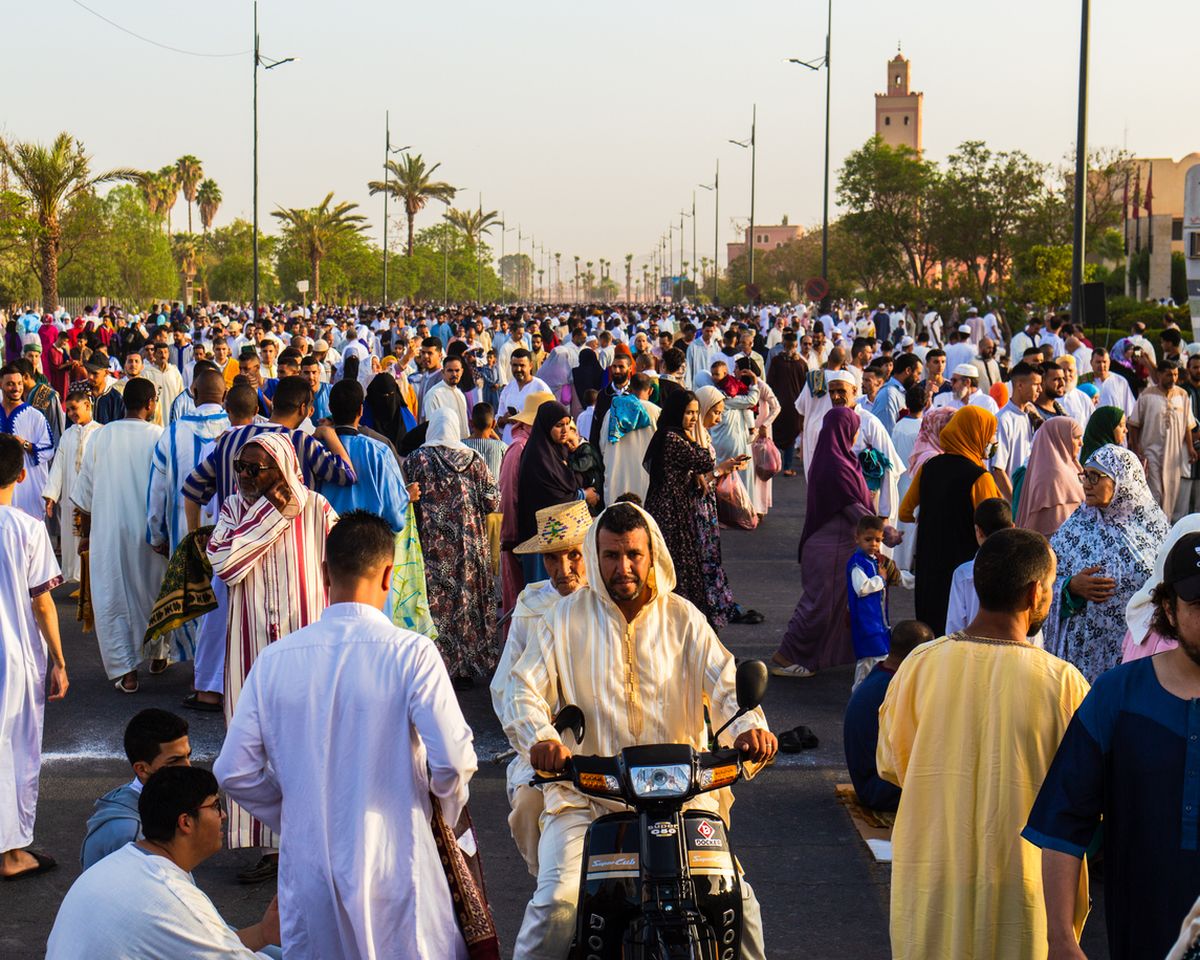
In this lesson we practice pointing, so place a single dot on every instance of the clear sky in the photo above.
(588, 125)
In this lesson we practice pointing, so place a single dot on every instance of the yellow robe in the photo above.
(968, 730)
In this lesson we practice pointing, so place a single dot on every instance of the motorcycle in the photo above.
(658, 882)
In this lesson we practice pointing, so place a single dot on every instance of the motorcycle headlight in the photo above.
(671, 780)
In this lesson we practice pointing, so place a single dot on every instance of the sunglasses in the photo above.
(251, 470)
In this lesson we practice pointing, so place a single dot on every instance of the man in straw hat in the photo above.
(639, 660)
(561, 530)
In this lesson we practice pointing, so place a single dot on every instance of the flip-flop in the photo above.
(795, 670)
(120, 685)
(45, 863)
(162, 669)
(192, 702)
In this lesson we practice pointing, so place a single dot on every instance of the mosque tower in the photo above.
(898, 111)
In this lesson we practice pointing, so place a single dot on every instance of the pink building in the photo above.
(765, 238)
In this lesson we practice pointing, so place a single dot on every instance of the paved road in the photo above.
(823, 896)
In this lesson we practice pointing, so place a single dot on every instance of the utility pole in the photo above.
(1077, 247)
(817, 65)
(387, 152)
(752, 146)
(267, 64)
(716, 189)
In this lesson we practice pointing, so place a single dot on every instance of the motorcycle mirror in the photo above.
(571, 718)
(751, 683)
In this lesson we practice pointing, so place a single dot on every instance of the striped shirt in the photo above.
(215, 476)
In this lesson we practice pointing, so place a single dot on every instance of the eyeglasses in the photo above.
(251, 470)
(218, 805)
(1090, 478)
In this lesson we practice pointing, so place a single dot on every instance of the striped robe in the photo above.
(272, 566)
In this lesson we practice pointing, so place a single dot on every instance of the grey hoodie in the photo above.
(114, 823)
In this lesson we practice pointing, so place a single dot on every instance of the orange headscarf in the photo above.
(969, 433)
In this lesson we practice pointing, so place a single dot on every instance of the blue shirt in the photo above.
(1132, 756)
(380, 488)
(888, 404)
(868, 616)
(860, 736)
(321, 403)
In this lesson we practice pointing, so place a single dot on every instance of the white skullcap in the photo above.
(971, 310)
(840, 376)
(906, 342)
(964, 328)
(967, 370)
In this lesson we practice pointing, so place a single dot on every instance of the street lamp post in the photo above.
(752, 146)
(1077, 247)
(267, 64)
(817, 65)
(387, 152)
(716, 189)
(695, 289)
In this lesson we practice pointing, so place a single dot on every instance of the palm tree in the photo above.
(628, 277)
(52, 177)
(558, 276)
(314, 230)
(187, 259)
(168, 185)
(588, 280)
(576, 279)
(412, 183)
(474, 223)
(189, 173)
(208, 195)
(147, 181)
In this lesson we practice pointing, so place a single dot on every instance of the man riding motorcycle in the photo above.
(641, 662)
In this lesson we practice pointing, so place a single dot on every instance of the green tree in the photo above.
(229, 272)
(884, 190)
(314, 229)
(474, 223)
(168, 192)
(50, 178)
(208, 195)
(412, 183)
(189, 173)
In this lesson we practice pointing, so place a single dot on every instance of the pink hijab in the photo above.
(1051, 491)
(929, 437)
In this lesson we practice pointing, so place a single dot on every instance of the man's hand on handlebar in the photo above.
(756, 745)
(549, 756)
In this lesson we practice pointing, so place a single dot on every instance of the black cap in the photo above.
(1182, 569)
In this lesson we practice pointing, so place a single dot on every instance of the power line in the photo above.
(164, 46)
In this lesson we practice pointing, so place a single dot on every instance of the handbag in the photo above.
(734, 508)
(767, 459)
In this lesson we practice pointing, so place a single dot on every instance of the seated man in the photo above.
(141, 903)
(154, 739)
(668, 661)
(860, 728)
(561, 530)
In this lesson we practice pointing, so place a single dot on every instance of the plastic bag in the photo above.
(767, 459)
(733, 503)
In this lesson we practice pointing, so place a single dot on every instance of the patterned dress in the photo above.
(687, 517)
(457, 494)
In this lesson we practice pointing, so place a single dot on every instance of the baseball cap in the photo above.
(1182, 569)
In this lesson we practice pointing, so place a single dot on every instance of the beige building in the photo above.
(1161, 232)
(898, 113)
(765, 238)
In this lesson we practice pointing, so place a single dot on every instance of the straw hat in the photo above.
(532, 402)
(559, 527)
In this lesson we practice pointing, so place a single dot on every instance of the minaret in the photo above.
(898, 111)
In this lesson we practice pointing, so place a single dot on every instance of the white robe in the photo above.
(731, 438)
(443, 395)
(169, 384)
(341, 732)
(27, 569)
(904, 438)
(871, 433)
(125, 573)
(623, 470)
(64, 474)
(29, 424)
(1115, 392)
(813, 410)
(699, 357)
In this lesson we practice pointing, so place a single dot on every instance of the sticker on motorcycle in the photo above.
(706, 834)
(613, 865)
(663, 828)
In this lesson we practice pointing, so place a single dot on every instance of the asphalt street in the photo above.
(822, 894)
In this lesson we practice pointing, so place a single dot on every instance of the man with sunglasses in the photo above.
(141, 903)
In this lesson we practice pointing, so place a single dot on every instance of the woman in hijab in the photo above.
(929, 440)
(948, 487)
(588, 375)
(818, 634)
(1107, 425)
(545, 478)
(681, 499)
(457, 494)
(1051, 490)
(12, 342)
(1105, 551)
(384, 409)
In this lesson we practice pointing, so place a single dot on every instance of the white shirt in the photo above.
(134, 905)
(1014, 439)
(1115, 392)
(342, 731)
(976, 399)
(513, 395)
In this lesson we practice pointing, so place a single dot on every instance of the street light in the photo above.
(504, 228)
(1080, 172)
(267, 64)
(752, 146)
(817, 65)
(682, 215)
(387, 152)
(716, 189)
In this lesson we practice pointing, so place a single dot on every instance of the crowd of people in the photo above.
(344, 516)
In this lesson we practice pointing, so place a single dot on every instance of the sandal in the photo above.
(45, 863)
(748, 617)
(156, 669)
(193, 702)
(794, 670)
(797, 739)
(120, 684)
